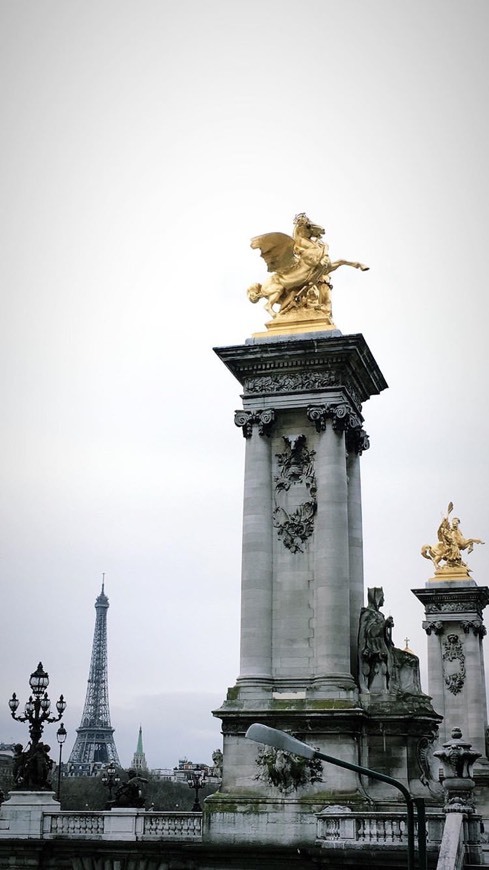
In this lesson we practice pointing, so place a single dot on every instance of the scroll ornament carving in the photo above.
(291, 382)
(342, 417)
(433, 627)
(357, 441)
(285, 383)
(453, 664)
(296, 472)
(247, 419)
(452, 607)
(476, 626)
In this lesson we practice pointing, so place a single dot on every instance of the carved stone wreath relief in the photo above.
(295, 493)
(453, 663)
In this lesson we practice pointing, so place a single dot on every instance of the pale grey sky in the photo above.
(143, 144)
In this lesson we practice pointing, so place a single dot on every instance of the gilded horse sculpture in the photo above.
(301, 266)
(451, 543)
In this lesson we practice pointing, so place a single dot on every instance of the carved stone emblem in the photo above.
(453, 664)
(295, 493)
(286, 771)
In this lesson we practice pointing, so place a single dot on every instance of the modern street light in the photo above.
(196, 781)
(281, 740)
(61, 735)
(110, 778)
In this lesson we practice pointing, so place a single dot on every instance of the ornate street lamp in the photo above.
(31, 769)
(61, 734)
(37, 708)
(196, 781)
(110, 778)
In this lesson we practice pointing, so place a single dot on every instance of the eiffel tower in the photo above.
(94, 745)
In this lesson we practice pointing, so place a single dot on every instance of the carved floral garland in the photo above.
(452, 650)
(296, 466)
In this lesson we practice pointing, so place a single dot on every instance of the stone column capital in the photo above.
(433, 627)
(343, 417)
(357, 441)
(474, 625)
(245, 420)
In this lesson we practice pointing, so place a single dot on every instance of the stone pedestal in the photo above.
(21, 814)
(302, 575)
(302, 565)
(302, 593)
(456, 682)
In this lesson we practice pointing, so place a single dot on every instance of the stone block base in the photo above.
(21, 814)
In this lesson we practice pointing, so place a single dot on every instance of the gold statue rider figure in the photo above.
(451, 543)
(300, 265)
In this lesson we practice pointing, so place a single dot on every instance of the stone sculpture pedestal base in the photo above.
(21, 814)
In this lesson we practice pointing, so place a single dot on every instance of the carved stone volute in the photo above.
(343, 417)
(247, 419)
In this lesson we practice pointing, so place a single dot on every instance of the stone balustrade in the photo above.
(372, 829)
(123, 824)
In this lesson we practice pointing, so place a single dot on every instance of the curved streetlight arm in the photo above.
(281, 740)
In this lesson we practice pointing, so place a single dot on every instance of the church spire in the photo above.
(139, 758)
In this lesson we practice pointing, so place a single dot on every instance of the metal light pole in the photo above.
(61, 734)
(196, 781)
(33, 765)
(110, 778)
(36, 709)
(281, 740)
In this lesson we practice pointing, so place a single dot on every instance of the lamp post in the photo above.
(110, 778)
(281, 740)
(33, 766)
(196, 781)
(36, 709)
(61, 734)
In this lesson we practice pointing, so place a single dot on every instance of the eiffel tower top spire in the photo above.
(94, 744)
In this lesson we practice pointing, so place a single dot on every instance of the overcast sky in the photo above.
(142, 145)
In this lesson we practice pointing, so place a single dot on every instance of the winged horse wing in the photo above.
(277, 249)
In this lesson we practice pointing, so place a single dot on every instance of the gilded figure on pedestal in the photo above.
(451, 544)
(300, 265)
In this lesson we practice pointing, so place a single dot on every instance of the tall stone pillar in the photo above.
(455, 629)
(301, 598)
(302, 581)
(356, 443)
(332, 564)
(257, 561)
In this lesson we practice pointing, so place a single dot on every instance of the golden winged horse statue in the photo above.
(300, 265)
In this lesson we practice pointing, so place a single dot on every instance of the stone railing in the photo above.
(73, 824)
(173, 826)
(120, 824)
(372, 829)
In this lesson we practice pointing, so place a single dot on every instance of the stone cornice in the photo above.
(316, 364)
(440, 601)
